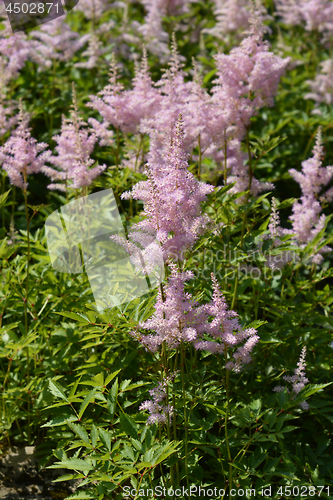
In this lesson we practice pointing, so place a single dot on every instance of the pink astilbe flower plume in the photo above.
(178, 318)
(316, 14)
(298, 380)
(306, 219)
(7, 121)
(74, 147)
(22, 155)
(232, 17)
(56, 41)
(159, 411)
(322, 86)
(247, 80)
(143, 101)
(172, 197)
(175, 318)
(15, 49)
(110, 102)
(225, 331)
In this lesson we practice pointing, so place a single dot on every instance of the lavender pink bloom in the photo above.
(306, 219)
(22, 155)
(172, 198)
(73, 164)
(298, 380)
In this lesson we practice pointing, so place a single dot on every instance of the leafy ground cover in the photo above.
(211, 122)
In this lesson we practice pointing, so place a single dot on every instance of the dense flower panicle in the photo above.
(94, 52)
(274, 221)
(143, 101)
(298, 380)
(322, 85)
(74, 147)
(93, 9)
(178, 318)
(110, 102)
(306, 219)
(15, 49)
(174, 96)
(7, 121)
(22, 155)
(155, 38)
(232, 17)
(247, 80)
(56, 41)
(316, 14)
(248, 77)
(159, 411)
(175, 316)
(172, 198)
(226, 331)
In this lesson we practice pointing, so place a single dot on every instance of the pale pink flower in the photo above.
(74, 147)
(298, 380)
(22, 155)
(56, 41)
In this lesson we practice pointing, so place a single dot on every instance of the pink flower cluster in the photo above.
(178, 318)
(247, 80)
(322, 86)
(306, 219)
(172, 198)
(159, 412)
(298, 380)
(232, 18)
(315, 14)
(74, 147)
(22, 155)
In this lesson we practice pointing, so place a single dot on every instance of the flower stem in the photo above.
(26, 298)
(226, 419)
(185, 413)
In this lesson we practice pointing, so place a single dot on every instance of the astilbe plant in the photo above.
(172, 197)
(22, 155)
(298, 380)
(232, 17)
(55, 41)
(247, 80)
(74, 147)
(306, 219)
(315, 14)
(322, 86)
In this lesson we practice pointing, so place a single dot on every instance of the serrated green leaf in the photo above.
(128, 425)
(79, 431)
(86, 401)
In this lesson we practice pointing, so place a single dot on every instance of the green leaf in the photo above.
(105, 437)
(128, 425)
(57, 390)
(74, 464)
(79, 431)
(3, 198)
(110, 377)
(112, 398)
(78, 317)
(86, 401)
(94, 436)
(63, 419)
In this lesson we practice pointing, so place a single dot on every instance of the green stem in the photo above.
(199, 164)
(250, 180)
(185, 413)
(226, 419)
(117, 150)
(225, 158)
(26, 299)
